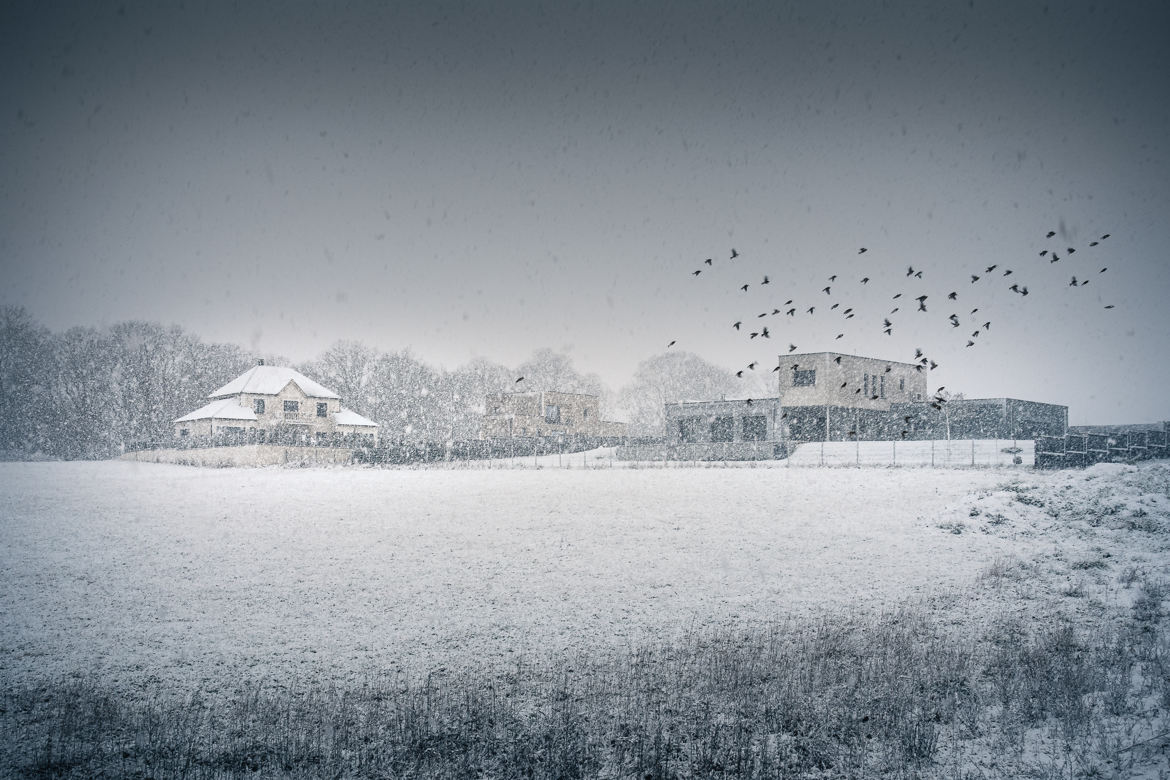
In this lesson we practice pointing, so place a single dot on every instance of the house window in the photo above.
(321, 438)
(184, 432)
(723, 429)
(258, 406)
(688, 428)
(866, 387)
(552, 413)
(755, 427)
(322, 409)
(804, 377)
(292, 406)
(901, 384)
(883, 383)
(585, 413)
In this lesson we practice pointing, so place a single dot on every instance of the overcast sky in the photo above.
(485, 179)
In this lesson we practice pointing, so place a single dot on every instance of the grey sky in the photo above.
(485, 179)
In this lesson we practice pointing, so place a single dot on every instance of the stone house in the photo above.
(274, 404)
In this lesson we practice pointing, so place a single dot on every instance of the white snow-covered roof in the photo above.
(270, 380)
(224, 409)
(346, 417)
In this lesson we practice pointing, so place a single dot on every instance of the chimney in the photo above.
(260, 362)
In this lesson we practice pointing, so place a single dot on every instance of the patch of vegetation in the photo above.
(892, 696)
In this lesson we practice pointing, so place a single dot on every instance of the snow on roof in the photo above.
(224, 409)
(270, 380)
(346, 417)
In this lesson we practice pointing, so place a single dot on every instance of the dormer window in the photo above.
(292, 406)
(258, 406)
(322, 409)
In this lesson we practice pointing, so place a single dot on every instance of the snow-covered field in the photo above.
(148, 573)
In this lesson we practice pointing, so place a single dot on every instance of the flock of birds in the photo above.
(913, 299)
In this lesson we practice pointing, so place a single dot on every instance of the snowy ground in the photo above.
(156, 573)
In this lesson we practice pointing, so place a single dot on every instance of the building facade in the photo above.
(274, 404)
(546, 414)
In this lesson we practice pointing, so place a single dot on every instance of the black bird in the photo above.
(827, 291)
(987, 325)
(862, 251)
(788, 302)
(1110, 306)
(734, 254)
(1014, 288)
(752, 365)
(765, 333)
(917, 353)
(1073, 283)
(671, 344)
(696, 273)
(834, 306)
(888, 369)
(895, 310)
(844, 383)
(708, 261)
(921, 298)
(910, 271)
(737, 324)
(886, 322)
(833, 278)
(849, 316)
(811, 309)
(1051, 233)
(774, 370)
(847, 311)
(518, 381)
(840, 336)
(766, 281)
(1105, 236)
(775, 312)
(1070, 250)
(952, 296)
(888, 331)
(1024, 290)
(791, 312)
(1043, 252)
(744, 288)
(922, 306)
(896, 297)
(1008, 272)
(1055, 258)
(762, 314)
(1092, 243)
(975, 310)
(933, 365)
(970, 343)
(1103, 270)
(990, 268)
(975, 335)
(1084, 282)
(917, 274)
(791, 348)
(753, 334)
(739, 374)
(865, 280)
(837, 360)
(974, 278)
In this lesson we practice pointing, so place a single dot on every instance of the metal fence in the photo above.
(1078, 450)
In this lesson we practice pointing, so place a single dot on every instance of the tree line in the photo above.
(94, 392)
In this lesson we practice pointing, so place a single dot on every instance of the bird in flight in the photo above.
(744, 288)
(974, 278)
(752, 366)
(1051, 233)
(671, 344)
(990, 268)
(734, 254)
(737, 324)
(708, 261)
(696, 273)
(766, 281)
(791, 348)
(518, 381)
(952, 296)
(862, 251)
(865, 280)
